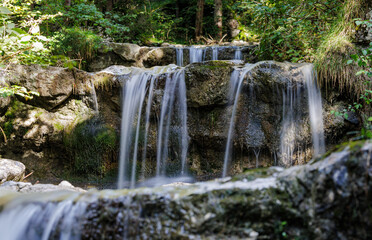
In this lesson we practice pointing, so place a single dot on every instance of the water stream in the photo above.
(315, 110)
(172, 123)
(236, 82)
(179, 56)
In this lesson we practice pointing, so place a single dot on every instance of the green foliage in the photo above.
(290, 29)
(79, 45)
(89, 145)
(364, 62)
(18, 46)
(17, 90)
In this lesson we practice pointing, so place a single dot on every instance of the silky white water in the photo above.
(238, 54)
(179, 56)
(196, 54)
(133, 95)
(315, 110)
(136, 114)
(290, 120)
(175, 89)
(94, 96)
(292, 97)
(215, 53)
(236, 82)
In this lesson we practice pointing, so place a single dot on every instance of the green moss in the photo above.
(8, 128)
(58, 126)
(252, 174)
(90, 144)
(37, 115)
(353, 146)
(15, 107)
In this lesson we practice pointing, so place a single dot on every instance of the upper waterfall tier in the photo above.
(133, 55)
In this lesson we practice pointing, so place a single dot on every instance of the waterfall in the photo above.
(133, 95)
(147, 126)
(315, 110)
(236, 82)
(290, 124)
(172, 123)
(36, 216)
(215, 53)
(175, 86)
(196, 54)
(94, 96)
(179, 56)
(290, 120)
(238, 54)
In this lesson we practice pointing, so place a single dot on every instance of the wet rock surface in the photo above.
(326, 199)
(23, 187)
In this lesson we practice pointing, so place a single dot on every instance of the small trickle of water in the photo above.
(94, 96)
(291, 104)
(215, 53)
(175, 87)
(196, 54)
(179, 56)
(315, 110)
(236, 82)
(147, 126)
(238, 54)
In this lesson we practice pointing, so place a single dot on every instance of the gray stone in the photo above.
(23, 187)
(11, 170)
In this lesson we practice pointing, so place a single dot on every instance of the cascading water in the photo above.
(179, 56)
(196, 54)
(44, 219)
(173, 122)
(94, 96)
(175, 86)
(133, 95)
(215, 53)
(238, 54)
(291, 102)
(236, 83)
(290, 124)
(315, 110)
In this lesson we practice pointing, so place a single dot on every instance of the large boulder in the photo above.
(11, 170)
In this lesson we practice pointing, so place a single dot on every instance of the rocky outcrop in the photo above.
(11, 170)
(325, 199)
(35, 129)
(363, 35)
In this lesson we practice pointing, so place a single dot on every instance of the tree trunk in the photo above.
(109, 5)
(199, 20)
(218, 17)
(68, 3)
(177, 8)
